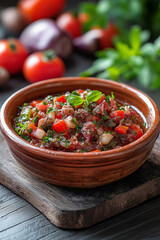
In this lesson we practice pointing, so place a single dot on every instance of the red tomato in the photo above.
(101, 99)
(33, 10)
(60, 126)
(70, 24)
(61, 99)
(42, 107)
(107, 35)
(12, 55)
(59, 115)
(121, 129)
(43, 65)
(135, 128)
(118, 113)
(35, 102)
(79, 91)
(31, 129)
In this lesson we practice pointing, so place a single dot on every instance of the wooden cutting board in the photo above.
(79, 208)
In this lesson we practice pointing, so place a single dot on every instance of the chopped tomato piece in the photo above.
(34, 103)
(61, 99)
(121, 129)
(96, 151)
(31, 129)
(42, 107)
(118, 113)
(59, 115)
(78, 106)
(79, 91)
(95, 118)
(135, 128)
(107, 129)
(101, 99)
(60, 126)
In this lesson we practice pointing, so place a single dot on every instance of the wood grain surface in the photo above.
(79, 208)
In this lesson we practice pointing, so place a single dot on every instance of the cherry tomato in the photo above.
(33, 10)
(43, 65)
(107, 35)
(70, 24)
(12, 55)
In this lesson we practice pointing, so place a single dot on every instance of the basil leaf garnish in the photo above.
(93, 96)
(74, 100)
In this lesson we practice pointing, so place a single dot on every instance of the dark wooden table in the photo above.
(21, 221)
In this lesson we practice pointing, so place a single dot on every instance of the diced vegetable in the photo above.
(118, 113)
(42, 107)
(60, 126)
(78, 121)
(61, 99)
(69, 122)
(105, 138)
(52, 115)
(34, 103)
(121, 129)
(138, 131)
(59, 115)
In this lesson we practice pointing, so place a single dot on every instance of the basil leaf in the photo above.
(135, 39)
(74, 100)
(93, 96)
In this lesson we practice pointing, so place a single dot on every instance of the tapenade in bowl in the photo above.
(80, 132)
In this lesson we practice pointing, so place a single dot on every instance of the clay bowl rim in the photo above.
(13, 136)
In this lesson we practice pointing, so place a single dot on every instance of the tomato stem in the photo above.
(12, 46)
(49, 55)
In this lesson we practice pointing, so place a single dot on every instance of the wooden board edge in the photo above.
(91, 216)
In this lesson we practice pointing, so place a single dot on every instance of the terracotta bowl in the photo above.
(81, 170)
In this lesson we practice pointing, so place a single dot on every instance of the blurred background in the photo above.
(111, 39)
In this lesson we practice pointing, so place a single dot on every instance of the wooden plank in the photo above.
(78, 208)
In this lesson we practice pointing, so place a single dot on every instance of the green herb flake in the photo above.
(26, 137)
(44, 103)
(112, 95)
(75, 121)
(35, 118)
(75, 93)
(54, 131)
(30, 130)
(61, 104)
(50, 109)
(47, 139)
